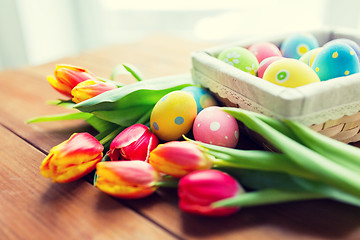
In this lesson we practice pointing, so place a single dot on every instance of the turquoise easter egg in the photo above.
(335, 60)
(202, 97)
(296, 45)
(349, 42)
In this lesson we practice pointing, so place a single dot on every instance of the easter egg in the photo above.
(296, 45)
(348, 42)
(214, 126)
(240, 58)
(290, 73)
(173, 115)
(335, 60)
(264, 50)
(202, 97)
(265, 63)
(308, 58)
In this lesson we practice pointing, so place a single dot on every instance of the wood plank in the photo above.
(24, 96)
(25, 92)
(32, 207)
(310, 220)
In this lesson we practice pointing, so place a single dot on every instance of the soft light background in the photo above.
(37, 31)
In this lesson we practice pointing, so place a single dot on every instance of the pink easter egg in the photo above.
(264, 50)
(214, 126)
(265, 63)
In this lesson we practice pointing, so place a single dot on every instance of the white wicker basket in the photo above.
(330, 107)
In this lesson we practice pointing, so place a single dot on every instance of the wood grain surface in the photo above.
(32, 207)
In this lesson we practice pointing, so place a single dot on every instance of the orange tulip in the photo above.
(179, 158)
(67, 77)
(89, 89)
(127, 179)
(73, 158)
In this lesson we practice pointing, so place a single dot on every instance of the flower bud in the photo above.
(133, 143)
(73, 158)
(199, 189)
(179, 158)
(89, 89)
(127, 179)
(67, 77)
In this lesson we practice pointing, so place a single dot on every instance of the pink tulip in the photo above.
(199, 189)
(133, 143)
(178, 158)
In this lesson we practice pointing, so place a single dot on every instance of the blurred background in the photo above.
(33, 32)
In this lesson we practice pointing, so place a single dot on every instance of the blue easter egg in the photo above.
(296, 45)
(335, 60)
(349, 42)
(202, 97)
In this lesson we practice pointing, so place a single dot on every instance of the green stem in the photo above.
(339, 152)
(264, 197)
(145, 118)
(111, 135)
(328, 171)
(253, 159)
(168, 183)
(274, 123)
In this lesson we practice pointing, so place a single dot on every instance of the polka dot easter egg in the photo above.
(264, 50)
(240, 58)
(173, 115)
(202, 97)
(214, 126)
(290, 73)
(348, 42)
(335, 60)
(296, 45)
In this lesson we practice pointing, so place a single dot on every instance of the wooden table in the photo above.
(32, 207)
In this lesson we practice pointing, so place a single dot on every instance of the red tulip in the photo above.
(133, 143)
(67, 77)
(199, 189)
(179, 158)
(73, 158)
(127, 179)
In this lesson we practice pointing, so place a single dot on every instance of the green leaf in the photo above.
(99, 124)
(63, 103)
(59, 117)
(120, 68)
(146, 92)
(124, 117)
(133, 72)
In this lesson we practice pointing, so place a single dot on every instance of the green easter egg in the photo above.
(240, 58)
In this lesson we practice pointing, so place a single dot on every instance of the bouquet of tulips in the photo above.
(129, 161)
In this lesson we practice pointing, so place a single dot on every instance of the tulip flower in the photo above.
(67, 77)
(133, 143)
(89, 89)
(198, 190)
(127, 179)
(73, 158)
(178, 158)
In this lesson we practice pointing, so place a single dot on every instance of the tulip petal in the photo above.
(127, 179)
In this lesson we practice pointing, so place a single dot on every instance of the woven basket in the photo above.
(330, 108)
